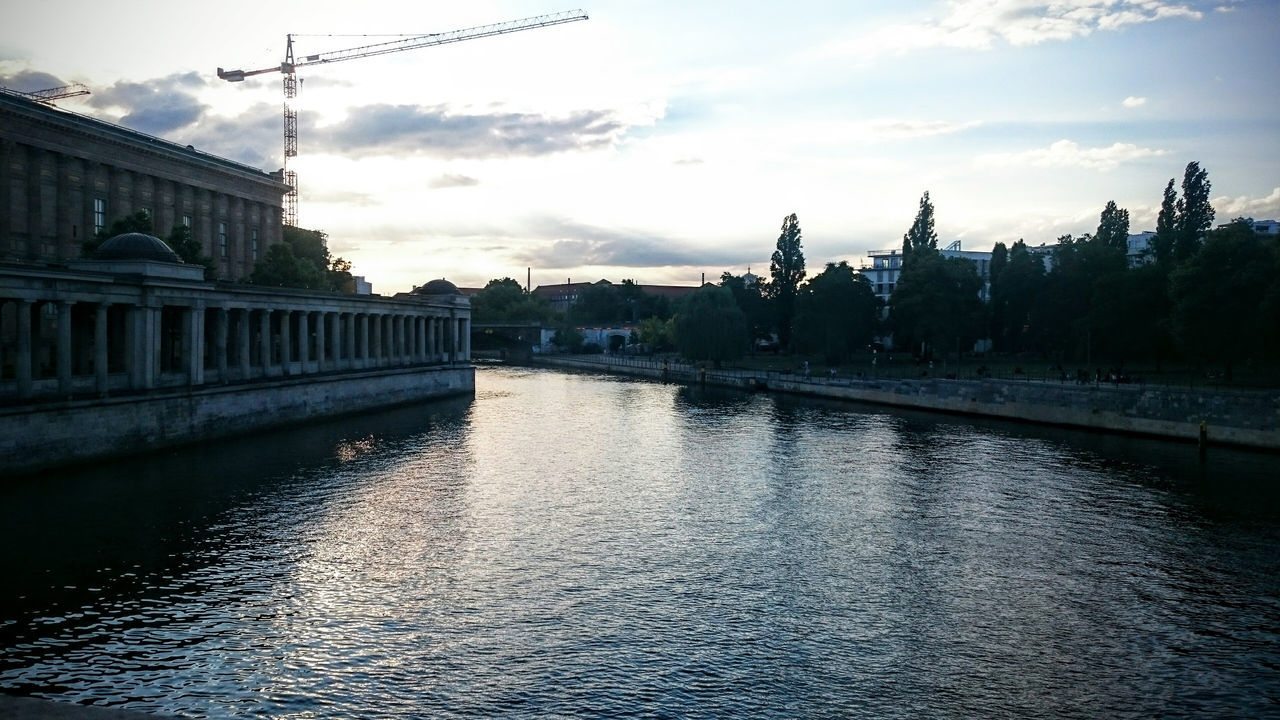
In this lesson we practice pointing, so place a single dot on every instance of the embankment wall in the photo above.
(1241, 418)
(46, 435)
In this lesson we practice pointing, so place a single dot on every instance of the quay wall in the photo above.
(1239, 418)
(47, 435)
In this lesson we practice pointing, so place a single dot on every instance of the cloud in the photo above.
(1065, 153)
(1258, 208)
(435, 131)
(1133, 102)
(567, 244)
(341, 197)
(906, 129)
(451, 181)
(984, 24)
(156, 106)
(30, 81)
(169, 107)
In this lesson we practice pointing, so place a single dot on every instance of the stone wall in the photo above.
(1247, 419)
(53, 434)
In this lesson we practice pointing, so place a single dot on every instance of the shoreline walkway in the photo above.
(1248, 419)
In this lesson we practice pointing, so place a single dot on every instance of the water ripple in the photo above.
(577, 546)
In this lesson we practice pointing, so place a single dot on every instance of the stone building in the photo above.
(66, 176)
(131, 349)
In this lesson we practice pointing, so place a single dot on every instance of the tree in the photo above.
(1194, 213)
(312, 248)
(786, 267)
(836, 313)
(752, 302)
(506, 301)
(1165, 222)
(1113, 228)
(921, 236)
(709, 326)
(597, 304)
(936, 303)
(139, 222)
(1223, 296)
(656, 333)
(1015, 293)
(280, 267)
(189, 249)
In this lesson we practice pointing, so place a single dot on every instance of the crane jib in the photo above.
(288, 66)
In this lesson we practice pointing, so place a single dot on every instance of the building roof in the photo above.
(136, 246)
(437, 287)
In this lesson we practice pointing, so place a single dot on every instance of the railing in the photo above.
(679, 369)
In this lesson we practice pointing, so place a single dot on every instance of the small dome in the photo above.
(136, 246)
(438, 287)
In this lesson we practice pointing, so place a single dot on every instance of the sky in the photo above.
(661, 141)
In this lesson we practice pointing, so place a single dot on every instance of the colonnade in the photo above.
(64, 347)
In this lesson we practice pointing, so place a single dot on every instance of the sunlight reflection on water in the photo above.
(583, 546)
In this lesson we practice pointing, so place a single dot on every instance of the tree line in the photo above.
(1202, 295)
(301, 261)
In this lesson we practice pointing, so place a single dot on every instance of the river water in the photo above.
(582, 546)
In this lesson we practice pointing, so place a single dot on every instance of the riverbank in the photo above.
(46, 435)
(1227, 417)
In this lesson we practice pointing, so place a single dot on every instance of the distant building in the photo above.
(562, 296)
(1138, 250)
(1261, 227)
(886, 267)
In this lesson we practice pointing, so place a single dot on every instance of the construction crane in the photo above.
(58, 93)
(289, 67)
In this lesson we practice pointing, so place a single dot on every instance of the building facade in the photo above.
(64, 177)
(131, 349)
(886, 268)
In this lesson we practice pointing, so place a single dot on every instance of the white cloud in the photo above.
(1066, 153)
(982, 24)
(1133, 101)
(1258, 208)
(905, 129)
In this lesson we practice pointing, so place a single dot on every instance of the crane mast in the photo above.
(289, 69)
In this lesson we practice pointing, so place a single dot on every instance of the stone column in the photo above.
(397, 325)
(431, 339)
(464, 328)
(23, 369)
(64, 347)
(144, 365)
(101, 356)
(245, 334)
(347, 321)
(376, 340)
(286, 339)
(304, 340)
(220, 322)
(322, 327)
(453, 336)
(35, 213)
(193, 344)
(264, 340)
(364, 339)
(6, 161)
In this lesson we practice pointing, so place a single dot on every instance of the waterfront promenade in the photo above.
(1228, 417)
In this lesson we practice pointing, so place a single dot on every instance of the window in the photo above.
(222, 239)
(253, 244)
(99, 214)
(186, 221)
